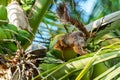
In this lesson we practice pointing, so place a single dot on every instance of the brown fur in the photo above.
(75, 40)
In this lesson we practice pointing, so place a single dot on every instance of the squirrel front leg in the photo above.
(79, 50)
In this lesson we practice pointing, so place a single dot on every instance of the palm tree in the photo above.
(103, 46)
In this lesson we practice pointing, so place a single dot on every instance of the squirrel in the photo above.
(75, 40)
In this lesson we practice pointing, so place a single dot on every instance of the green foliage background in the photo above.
(103, 61)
